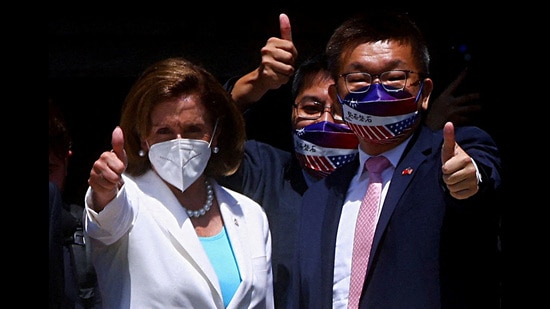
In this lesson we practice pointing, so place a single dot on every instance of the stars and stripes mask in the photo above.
(324, 146)
(379, 116)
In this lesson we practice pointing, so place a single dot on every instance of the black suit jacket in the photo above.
(429, 249)
(273, 178)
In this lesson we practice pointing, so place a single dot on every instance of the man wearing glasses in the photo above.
(277, 179)
(433, 231)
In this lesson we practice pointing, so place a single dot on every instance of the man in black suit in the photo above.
(435, 242)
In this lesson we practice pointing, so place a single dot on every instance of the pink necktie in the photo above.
(364, 229)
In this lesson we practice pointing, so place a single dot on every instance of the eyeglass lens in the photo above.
(359, 82)
(312, 110)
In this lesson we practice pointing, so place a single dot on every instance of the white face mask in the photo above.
(181, 161)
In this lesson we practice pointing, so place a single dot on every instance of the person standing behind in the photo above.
(164, 233)
(73, 282)
(459, 109)
(275, 178)
(435, 236)
(59, 147)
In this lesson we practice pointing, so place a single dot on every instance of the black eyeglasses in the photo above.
(311, 110)
(392, 81)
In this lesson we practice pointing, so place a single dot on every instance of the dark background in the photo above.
(95, 56)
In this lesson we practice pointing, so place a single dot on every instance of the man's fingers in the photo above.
(448, 149)
(456, 82)
(284, 25)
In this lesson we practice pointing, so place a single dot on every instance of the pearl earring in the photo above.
(141, 153)
(215, 149)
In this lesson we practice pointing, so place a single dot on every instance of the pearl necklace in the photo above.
(207, 205)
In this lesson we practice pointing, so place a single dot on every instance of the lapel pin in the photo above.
(236, 222)
(407, 171)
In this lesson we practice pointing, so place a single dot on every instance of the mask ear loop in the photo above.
(215, 149)
(419, 92)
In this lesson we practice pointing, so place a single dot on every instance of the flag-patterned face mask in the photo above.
(379, 116)
(324, 146)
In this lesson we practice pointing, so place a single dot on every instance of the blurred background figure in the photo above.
(73, 282)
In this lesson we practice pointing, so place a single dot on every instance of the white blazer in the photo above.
(147, 254)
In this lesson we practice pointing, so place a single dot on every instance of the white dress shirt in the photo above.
(346, 227)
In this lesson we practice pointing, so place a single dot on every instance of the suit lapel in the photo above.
(237, 229)
(332, 197)
(404, 173)
(171, 217)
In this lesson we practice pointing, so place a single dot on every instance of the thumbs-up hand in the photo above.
(459, 171)
(278, 56)
(106, 174)
(275, 69)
